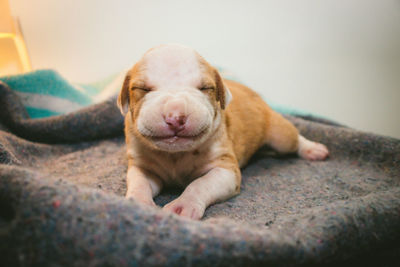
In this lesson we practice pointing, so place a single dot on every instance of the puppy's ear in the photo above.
(224, 96)
(123, 97)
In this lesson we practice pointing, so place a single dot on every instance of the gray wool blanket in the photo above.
(62, 181)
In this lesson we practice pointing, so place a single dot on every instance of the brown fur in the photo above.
(210, 170)
(251, 123)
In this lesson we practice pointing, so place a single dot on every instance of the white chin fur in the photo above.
(181, 144)
(176, 144)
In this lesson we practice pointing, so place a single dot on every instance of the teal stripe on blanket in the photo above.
(40, 113)
(46, 93)
(46, 82)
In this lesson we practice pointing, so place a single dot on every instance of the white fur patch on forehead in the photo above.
(172, 65)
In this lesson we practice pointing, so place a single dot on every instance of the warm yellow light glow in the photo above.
(14, 55)
(23, 53)
(6, 35)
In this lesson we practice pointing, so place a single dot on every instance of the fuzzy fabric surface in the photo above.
(63, 180)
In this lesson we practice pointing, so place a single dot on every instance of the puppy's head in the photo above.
(175, 98)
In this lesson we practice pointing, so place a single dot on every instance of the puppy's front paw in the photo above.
(311, 150)
(186, 207)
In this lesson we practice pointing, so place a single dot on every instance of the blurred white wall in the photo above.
(337, 58)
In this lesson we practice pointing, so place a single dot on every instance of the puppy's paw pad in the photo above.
(186, 208)
(312, 150)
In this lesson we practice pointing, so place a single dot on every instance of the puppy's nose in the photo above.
(176, 122)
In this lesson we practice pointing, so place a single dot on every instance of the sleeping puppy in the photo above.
(186, 126)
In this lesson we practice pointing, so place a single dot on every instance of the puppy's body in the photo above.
(182, 130)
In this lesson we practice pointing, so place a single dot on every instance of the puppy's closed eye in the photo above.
(144, 89)
(205, 88)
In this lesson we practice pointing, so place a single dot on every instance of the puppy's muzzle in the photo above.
(176, 122)
(175, 115)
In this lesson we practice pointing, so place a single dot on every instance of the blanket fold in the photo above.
(96, 121)
(62, 181)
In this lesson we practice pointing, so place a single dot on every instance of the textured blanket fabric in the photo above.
(62, 181)
(46, 93)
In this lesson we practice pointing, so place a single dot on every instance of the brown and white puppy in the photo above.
(186, 126)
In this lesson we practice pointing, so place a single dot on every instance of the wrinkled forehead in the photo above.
(172, 66)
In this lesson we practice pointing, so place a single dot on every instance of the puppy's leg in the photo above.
(284, 138)
(142, 186)
(312, 150)
(217, 185)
